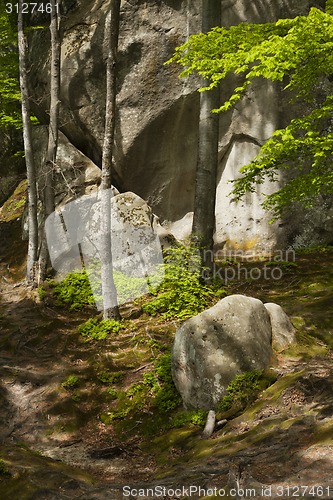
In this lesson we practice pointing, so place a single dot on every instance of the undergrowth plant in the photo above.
(195, 417)
(107, 377)
(314, 249)
(71, 382)
(41, 293)
(166, 395)
(151, 405)
(83, 288)
(182, 294)
(74, 291)
(154, 395)
(3, 468)
(244, 389)
(95, 329)
(128, 287)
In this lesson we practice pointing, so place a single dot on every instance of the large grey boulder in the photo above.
(211, 348)
(80, 223)
(75, 232)
(283, 332)
(167, 239)
(181, 229)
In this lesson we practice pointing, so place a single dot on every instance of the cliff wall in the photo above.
(157, 116)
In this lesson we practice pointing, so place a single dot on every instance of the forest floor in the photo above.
(55, 445)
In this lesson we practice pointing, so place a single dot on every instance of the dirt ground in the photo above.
(54, 448)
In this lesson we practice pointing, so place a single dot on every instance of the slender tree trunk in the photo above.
(29, 158)
(205, 187)
(109, 292)
(210, 425)
(51, 154)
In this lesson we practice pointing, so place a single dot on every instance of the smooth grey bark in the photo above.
(109, 292)
(28, 151)
(205, 186)
(53, 133)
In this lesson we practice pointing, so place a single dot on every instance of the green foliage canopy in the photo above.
(299, 53)
(10, 113)
(10, 92)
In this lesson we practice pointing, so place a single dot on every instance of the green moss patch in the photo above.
(13, 208)
(244, 390)
(323, 433)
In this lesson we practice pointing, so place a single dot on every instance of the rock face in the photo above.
(75, 174)
(181, 229)
(211, 348)
(157, 118)
(283, 332)
(76, 182)
(12, 168)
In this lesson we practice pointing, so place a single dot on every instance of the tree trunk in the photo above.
(210, 425)
(205, 187)
(109, 293)
(51, 154)
(29, 159)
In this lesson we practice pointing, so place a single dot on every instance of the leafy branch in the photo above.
(297, 52)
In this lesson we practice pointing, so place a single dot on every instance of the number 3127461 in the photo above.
(30, 8)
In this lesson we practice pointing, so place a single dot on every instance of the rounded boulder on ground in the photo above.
(283, 332)
(210, 349)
